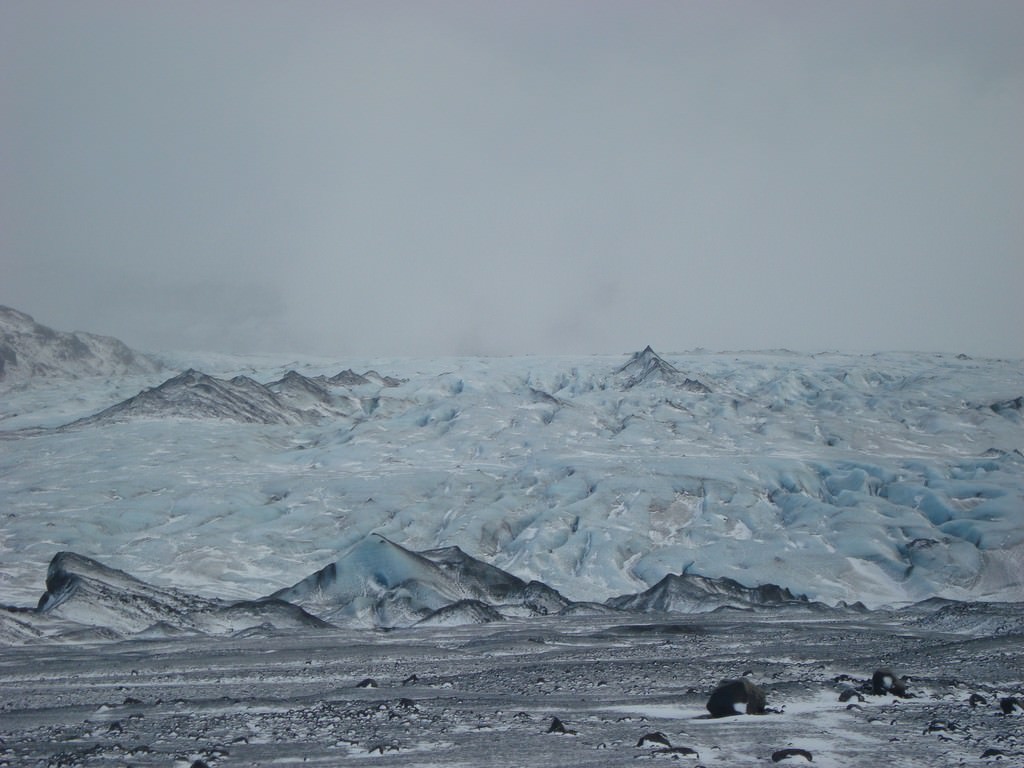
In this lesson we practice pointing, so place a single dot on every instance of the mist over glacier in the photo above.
(881, 478)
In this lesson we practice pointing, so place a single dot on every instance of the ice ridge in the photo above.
(376, 583)
(85, 599)
(293, 399)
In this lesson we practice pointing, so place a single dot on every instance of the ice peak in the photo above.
(647, 366)
(377, 582)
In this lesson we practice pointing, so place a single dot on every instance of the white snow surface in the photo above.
(883, 478)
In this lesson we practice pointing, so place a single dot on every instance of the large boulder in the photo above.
(884, 682)
(736, 697)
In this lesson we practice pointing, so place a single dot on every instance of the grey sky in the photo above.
(516, 177)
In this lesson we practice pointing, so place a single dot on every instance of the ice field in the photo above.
(881, 479)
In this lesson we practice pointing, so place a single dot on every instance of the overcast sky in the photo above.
(484, 177)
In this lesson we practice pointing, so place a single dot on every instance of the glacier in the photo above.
(882, 479)
(498, 561)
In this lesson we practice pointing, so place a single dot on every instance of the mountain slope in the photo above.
(29, 349)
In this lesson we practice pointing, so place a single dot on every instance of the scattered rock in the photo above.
(735, 697)
(789, 753)
(976, 699)
(367, 683)
(848, 694)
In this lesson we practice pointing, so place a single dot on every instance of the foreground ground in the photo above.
(487, 695)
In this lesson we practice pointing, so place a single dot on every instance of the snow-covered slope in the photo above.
(877, 478)
(28, 349)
